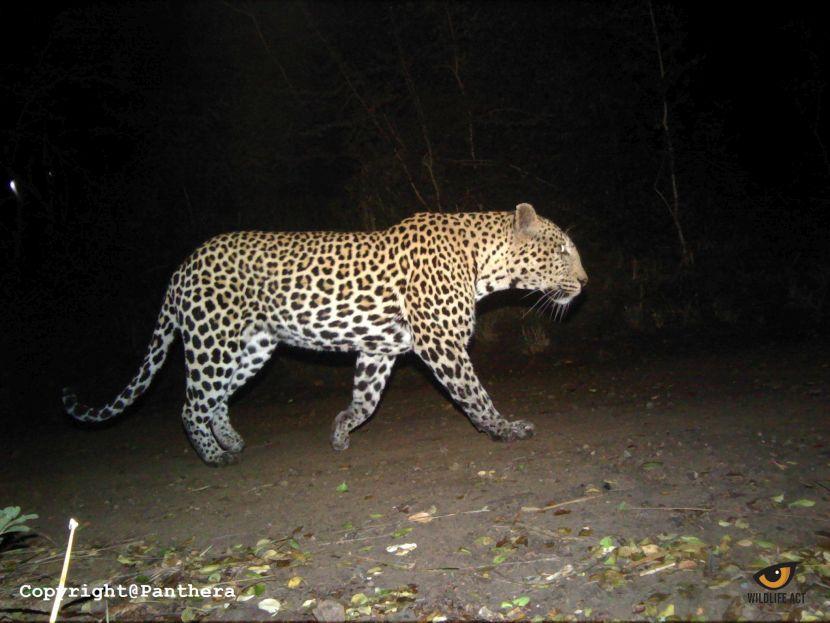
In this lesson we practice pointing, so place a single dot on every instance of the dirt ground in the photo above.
(672, 474)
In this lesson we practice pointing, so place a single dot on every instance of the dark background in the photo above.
(135, 131)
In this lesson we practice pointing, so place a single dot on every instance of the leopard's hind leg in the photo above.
(256, 351)
(210, 360)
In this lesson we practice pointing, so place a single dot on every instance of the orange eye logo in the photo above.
(775, 576)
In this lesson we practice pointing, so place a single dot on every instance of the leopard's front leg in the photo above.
(451, 365)
(371, 373)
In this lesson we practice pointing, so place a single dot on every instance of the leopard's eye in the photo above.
(775, 576)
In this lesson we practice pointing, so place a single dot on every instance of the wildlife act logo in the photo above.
(774, 578)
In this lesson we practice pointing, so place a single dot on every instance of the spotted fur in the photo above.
(411, 287)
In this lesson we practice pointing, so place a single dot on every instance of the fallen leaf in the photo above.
(648, 465)
(666, 612)
(422, 517)
(358, 599)
(208, 569)
(401, 532)
(627, 551)
(563, 572)
(607, 544)
(802, 503)
(401, 550)
(650, 549)
(295, 581)
(260, 569)
(270, 605)
(342, 487)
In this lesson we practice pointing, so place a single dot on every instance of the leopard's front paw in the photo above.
(340, 431)
(340, 443)
(511, 431)
(523, 429)
(223, 459)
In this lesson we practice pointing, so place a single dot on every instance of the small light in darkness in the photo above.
(13, 186)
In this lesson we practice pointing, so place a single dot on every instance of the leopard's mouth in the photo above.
(562, 296)
(554, 300)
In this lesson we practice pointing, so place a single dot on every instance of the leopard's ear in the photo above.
(526, 222)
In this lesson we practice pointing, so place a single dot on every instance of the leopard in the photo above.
(412, 287)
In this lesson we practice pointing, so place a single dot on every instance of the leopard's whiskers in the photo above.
(537, 302)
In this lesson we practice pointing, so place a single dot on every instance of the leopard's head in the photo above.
(544, 258)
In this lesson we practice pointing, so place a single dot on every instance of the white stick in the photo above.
(657, 569)
(57, 605)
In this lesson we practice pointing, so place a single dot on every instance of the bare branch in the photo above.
(344, 72)
(428, 160)
(399, 157)
(686, 257)
(388, 134)
(255, 20)
(455, 68)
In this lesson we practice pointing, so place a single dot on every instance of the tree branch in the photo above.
(686, 257)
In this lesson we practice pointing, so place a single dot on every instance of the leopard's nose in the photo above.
(583, 280)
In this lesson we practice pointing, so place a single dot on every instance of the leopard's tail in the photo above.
(163, 336)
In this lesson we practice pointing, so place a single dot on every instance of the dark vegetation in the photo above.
(683, 146)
